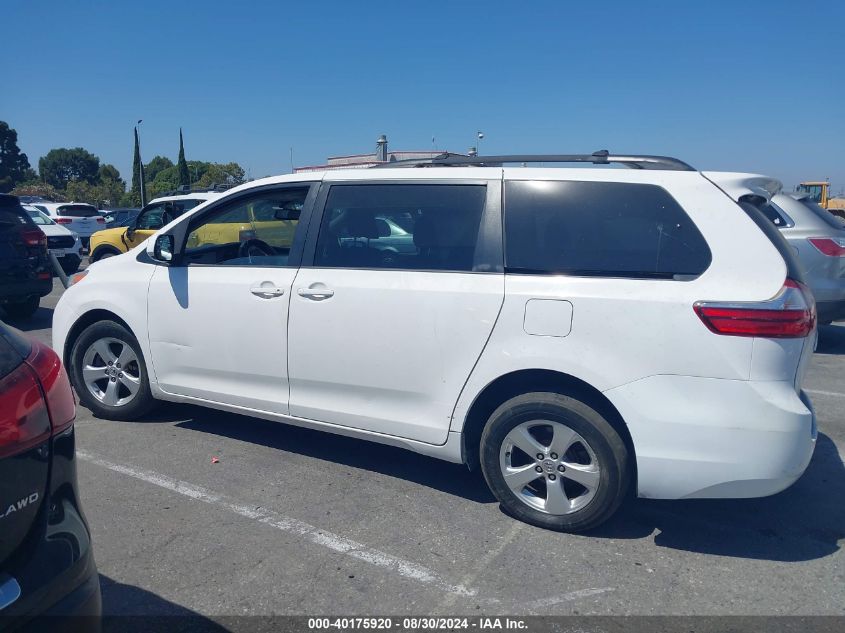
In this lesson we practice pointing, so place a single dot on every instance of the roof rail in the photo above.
(602, 157)
(184, 190)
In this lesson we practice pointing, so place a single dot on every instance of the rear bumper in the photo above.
(21, 289)
(830, 310)
(54, 568)
(710, 438)
(80, 611)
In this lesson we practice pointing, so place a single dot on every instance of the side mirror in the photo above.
(163, 248)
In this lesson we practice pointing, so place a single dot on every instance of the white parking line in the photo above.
(405, 568)
(819, 392)
(566, 597)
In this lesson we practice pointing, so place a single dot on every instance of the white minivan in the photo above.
(575, 333)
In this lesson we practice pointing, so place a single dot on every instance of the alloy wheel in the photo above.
(111, 372)
(549, 467)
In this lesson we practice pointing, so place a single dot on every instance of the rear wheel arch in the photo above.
(516, 383)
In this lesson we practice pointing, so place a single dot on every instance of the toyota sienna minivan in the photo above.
(575, 333)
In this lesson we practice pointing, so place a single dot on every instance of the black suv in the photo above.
(48, 579)
(25, 273)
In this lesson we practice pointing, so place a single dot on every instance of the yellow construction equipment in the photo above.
(819, 192)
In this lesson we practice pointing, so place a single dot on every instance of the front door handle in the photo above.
(267, 292)
(317, 292)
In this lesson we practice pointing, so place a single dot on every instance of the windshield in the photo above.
(38, 217)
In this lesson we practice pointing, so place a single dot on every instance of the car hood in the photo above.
(114, 232)
(53, 230)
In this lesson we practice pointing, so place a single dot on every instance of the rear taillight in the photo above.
(24, 419)
(101, 220)
(789, 314)
(35, 402)
(63, 220)
(34, 237)
(830, 246)
(54, 382)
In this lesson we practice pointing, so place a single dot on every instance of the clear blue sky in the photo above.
(753, 86)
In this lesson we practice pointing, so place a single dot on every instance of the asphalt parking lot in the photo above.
(292, 521)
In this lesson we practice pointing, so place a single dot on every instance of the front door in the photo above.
(218, 321)
(387, 324)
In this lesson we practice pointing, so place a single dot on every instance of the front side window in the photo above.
(161, 214)
(152, 218)
(600, 229)
(407, 226)
(254, 231)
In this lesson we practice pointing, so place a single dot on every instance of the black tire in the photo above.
(70, 264)
(607, 446)
(143, 401)
(23, 309)
(103, 253)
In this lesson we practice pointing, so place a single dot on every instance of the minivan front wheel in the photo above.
(553, 461)
(109, 373)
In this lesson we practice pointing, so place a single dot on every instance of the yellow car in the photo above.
(119, 239)
(257, 220)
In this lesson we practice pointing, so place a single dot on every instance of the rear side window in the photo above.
(13, 215)
(602, 229)
(417, 227)
(77, 211)
(775, 215)
(13, 349)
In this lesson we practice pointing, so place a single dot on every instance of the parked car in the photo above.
(25, 270)
(47, 568)
(818, 237)
(82, 219)
(576, 333)
(119, 238)
(120, 217)
(64, 244)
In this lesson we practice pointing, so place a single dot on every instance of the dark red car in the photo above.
(46, 564)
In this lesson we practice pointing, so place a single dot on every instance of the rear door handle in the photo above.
(317, 294)
(267, 292)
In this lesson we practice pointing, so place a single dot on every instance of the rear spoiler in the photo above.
(738, 185)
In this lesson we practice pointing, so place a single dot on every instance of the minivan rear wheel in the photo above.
(109, 373)
(553, 461)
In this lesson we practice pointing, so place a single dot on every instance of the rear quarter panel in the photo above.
(624, 330)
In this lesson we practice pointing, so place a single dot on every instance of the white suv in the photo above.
(576, 333)
(83, 219)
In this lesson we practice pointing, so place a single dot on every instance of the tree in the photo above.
(61, 166)
(221, 174)
(156, 165)
(38, 188)
(14, 165)
(109, 172)
(137, 170)
(102, 195)
(184, 175)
